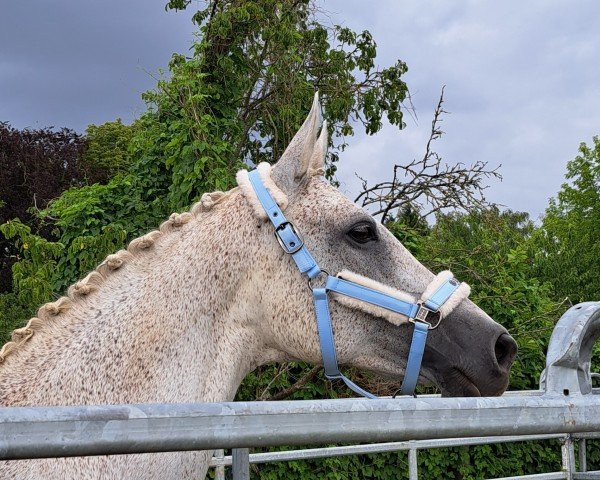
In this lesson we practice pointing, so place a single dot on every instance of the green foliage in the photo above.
(34, 274)
(108, 148)
(409, 228)
(13, 313)
(490, 250)
(258, 66)
(567, 246)
(96, 220)
(35, 167)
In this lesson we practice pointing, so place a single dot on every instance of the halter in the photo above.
(416, 312)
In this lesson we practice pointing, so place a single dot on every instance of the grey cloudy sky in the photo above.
(522, 78)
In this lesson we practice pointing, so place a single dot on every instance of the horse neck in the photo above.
(176, 324)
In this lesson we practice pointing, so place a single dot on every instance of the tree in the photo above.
(246, 88)
(567, 248)
(427, 185)
(35, 167)
(107, 152)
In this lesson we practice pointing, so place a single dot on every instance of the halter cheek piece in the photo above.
(416, 312)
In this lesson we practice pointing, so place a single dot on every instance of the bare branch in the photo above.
(429, 184)
(307, 377)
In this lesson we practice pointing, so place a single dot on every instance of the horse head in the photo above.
(468, 354)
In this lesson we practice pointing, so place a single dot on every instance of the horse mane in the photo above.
(94, 280)
(303, 143)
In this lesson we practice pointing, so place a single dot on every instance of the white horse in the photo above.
(188, 310)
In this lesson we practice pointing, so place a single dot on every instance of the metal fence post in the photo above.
(582, 455)
(568, 457)
(240, 463)
(219, 469)
(413, 473)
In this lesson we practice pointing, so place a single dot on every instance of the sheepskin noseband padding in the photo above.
(458, 296)
(384, 313)
(462, 292)
(264, 170)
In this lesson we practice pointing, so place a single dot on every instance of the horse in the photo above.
(187, 311)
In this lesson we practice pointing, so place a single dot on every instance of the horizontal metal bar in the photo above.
(586, 435)
(593, 475)
(38, 432)
(508, 393)
(324, 452)
(537, 476)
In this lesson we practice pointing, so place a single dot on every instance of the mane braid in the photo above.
(94, 280)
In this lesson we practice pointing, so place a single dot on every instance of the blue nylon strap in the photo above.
(441, 295)
(290, 241)
(415, 357)
(365, 294)
(325, 329)
(327, 342)
(266, 200)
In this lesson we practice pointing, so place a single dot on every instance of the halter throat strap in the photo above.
(291, 242)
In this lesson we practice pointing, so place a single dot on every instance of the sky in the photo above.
(522, 78)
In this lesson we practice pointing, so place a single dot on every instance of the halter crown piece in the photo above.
(442, 295)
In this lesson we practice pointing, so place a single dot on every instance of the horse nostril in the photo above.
(505, 350)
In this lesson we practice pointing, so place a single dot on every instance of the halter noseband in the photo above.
(417, 312)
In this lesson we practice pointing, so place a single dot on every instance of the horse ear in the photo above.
(319, 153)
(298, 159)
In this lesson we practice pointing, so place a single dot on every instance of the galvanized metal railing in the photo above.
(243, 458)
(567, 404)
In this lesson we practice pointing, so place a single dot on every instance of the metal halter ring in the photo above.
(322, 272)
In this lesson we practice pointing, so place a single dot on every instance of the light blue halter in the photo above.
(417, 313)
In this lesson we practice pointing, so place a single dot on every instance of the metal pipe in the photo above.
(220, 467)
(595, 475)
(413, 471)
(325, 452)
(241, 463)
(587, 435)
(39, 432)
(568, 457)
(537, 476)
(582, 455)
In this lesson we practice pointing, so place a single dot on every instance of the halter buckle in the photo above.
(289, 240)
(421, 316)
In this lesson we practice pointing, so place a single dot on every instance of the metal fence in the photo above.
(242, 458)
(566, 408)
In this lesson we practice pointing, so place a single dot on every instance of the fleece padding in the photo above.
(458, 296)
(264, 170)
(392, 317)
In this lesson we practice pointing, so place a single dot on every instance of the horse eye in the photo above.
(363, 233)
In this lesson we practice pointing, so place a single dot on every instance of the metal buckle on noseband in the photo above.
(422, 314)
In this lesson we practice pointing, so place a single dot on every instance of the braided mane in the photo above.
(94, 280)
